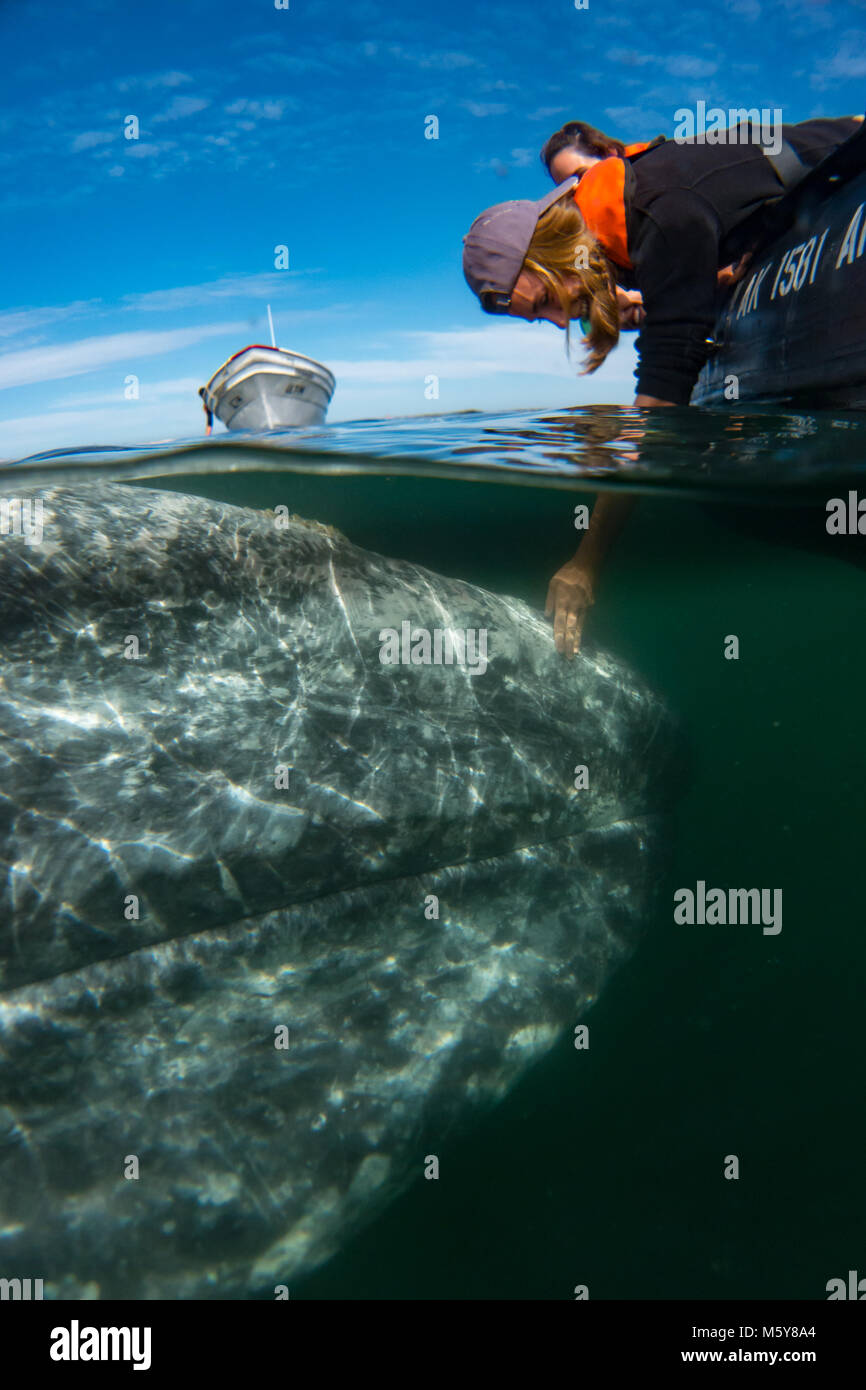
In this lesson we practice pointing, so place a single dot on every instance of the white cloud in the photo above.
(274, 282)
(444, 61)
(637, 120)
(89, 139)
(257, 110)
(630, 57)
(180, 107)
(282, 63)
(87, 354)
(676, 64)
(170, 79)
(485, 108)
(545, 113)
(496, 368)
(518, 159)
(14, 321)
(274, 285)
(682, 65)
(147, 149)
(848, 62)
(748, 9)
(526, 349)
(159, 79)
(151, 391)
(492, 166)
(130, 423)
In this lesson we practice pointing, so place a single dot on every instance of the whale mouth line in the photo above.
(247, 920)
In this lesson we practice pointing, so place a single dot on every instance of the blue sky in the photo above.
(304, 127)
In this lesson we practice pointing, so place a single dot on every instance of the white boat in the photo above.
(268, 388)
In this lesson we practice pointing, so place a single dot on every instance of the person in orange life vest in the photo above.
(573, 149)
(665, 220)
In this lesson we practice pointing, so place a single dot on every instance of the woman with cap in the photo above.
(663, 221)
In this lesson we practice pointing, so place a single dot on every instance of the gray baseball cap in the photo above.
(495, 246)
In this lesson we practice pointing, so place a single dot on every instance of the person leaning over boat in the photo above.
(576, 146)
(662, 221)
(573, 149)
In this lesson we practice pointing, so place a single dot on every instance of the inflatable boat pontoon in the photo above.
(794, 329)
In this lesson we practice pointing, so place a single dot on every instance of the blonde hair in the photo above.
(562, 246)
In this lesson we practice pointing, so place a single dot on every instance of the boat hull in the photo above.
(269, 389)
(794, 329)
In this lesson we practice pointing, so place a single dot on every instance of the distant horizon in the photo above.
(152, 168)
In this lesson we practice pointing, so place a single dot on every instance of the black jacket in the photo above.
(690, 209)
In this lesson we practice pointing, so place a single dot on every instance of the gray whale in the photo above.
(152, 777)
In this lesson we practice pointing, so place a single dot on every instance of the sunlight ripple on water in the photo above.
(679, 450)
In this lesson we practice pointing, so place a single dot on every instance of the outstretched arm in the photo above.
(572, 589)
(676, 262)
(571, 592)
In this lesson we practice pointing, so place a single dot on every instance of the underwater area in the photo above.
(602, 1165)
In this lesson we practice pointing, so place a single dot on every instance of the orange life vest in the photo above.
(600, 195)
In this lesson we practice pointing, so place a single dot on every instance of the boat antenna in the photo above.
(271, 322)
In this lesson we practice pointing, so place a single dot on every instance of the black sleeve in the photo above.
(675, 252)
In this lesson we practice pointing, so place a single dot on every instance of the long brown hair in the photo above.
(562, 246)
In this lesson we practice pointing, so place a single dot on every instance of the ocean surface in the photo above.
(711, 1040)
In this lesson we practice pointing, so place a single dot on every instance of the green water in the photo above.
(605, 1167)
